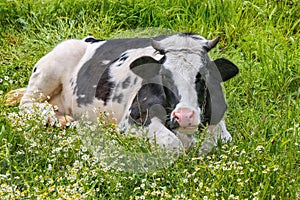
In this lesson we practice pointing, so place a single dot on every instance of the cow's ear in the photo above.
(226, 68)
(146, 67)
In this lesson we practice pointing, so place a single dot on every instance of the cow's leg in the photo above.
(163, 137)
(225, 135)
(215, 132)
(50, 74)
(187, 139)
(158, 134)
(219, 131)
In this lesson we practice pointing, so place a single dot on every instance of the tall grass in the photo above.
(261, 37)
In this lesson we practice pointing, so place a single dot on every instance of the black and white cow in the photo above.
(166, 84)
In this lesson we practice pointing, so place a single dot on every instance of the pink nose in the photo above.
(185, 117)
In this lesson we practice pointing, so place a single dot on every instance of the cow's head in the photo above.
(191, 81)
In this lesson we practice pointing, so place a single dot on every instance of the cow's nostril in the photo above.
(176, 116)
(192, 114)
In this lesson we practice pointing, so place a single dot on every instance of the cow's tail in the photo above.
(13, 97)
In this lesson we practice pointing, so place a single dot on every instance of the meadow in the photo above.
(261, 37)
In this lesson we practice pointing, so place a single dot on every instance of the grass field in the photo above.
(261, 37)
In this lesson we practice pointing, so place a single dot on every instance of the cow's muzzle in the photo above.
(184, 118)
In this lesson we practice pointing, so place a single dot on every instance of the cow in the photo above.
(166, 84)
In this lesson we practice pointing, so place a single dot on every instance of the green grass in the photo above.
(262, 162)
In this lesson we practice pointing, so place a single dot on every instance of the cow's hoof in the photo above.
(14, 97)
(226, 138)
(65, 120)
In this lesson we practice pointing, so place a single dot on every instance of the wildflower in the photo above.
(201, 184)
(6, 78)
(251, 170)
(207, 189)
(197, 168)
(153, 185)
(21, 152)
(256, 193)
(260, 148)
(83, 148)
(119, 185)
(153, 193)
(146, 192)
(167, 195)
(241, 184)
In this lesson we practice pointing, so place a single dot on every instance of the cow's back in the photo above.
(94, 70)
